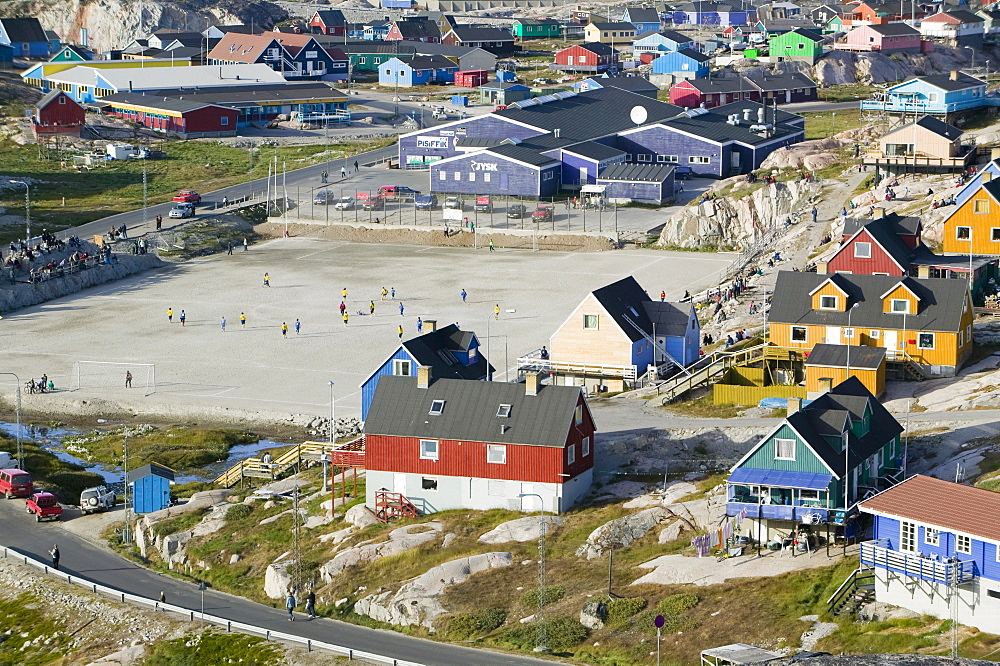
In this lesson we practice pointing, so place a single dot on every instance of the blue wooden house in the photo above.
(645, 19)
(713, 12)
(658, 42)
(795, 475)
(449, 352)
(150, 487)
(26, 36)
(936, 550)
(419, 71)
(938, 94)
(6, 56)
(376, 30)
(676, 66)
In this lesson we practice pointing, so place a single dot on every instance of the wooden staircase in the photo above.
(389, 505)
(707, 371)
(853, 593)
(292, 457)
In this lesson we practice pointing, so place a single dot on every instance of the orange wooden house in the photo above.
(974, 227)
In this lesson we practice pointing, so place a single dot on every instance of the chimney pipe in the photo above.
(423, 376)
(747, 115)
(431, 325)
(532, 383)
(878, 213)
(760, 115)
(953, 75)
(794, 405)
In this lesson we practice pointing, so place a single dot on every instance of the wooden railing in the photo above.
(291, 457)
(947, 572)
(706, 370)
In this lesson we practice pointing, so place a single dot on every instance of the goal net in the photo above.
(111, 376)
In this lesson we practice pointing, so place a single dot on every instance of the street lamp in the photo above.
(333, 432)
(27, 208)
(972, 64)
(127, 534)
(851, 331)
(17, 415)
(542, 638)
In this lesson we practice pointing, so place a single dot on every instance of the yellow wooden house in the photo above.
(975, 225)
(924, 325)
(829, 365)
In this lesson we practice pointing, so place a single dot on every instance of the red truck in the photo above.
(45, 506)
(15, 483)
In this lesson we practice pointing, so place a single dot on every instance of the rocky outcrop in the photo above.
(521, 529)
(734, 221)
(170, 547)
(620, 532)
(594, 615)
(416, 602)
(360, 515)
(278, 578)
(400, 540)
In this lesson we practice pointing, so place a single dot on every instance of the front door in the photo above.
(890, 340)
(583, 176)
(833, 335)
(399, 483)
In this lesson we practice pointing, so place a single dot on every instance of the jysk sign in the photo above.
(484, 166)
(432, 142)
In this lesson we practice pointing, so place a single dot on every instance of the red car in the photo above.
(187, 196)
(45, 506)
(542, 214)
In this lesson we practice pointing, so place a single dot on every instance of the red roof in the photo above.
(942, 504)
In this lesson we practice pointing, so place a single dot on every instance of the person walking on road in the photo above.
(493, 248)
(159, 222)
(163, 597)
(344, 293)
(243, 320)
(355, 166)
(663, 296)
(54, 553)
(323, 176)
(223, 324)
(464, 294)
(230, 248)
(170, 315)
(128, 379)
(399, 331)
(345, 317)
(385, 292)
(267, 280)
(290, 606)
(371, 308)
(225, 202)
(284, 330)
(392, 293)
(496, 312)
(401, 308)
(343, 307)
(298, 326)
(311, 604)
(814, 214)
(343, 172)
(183, 317)
(420, 325)
(245, 244)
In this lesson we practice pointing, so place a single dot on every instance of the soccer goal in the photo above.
(111, 376)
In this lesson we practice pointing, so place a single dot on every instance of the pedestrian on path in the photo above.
(183, 317)
(159, 222)
(245, 244)
(55, 556)
(371, 308)
(163, 597)
(243, 320)
(223, 324)
(170, 315)
(343, 307)
(401, 308)
(464, 294)
(311, 599)
(355, 166)
(267, 280)
(345, 318)
(344, 293)
(323, 176)
(393, 293)
(399, 331)
(128, 379)
(290, 606)
(298, 326)
(492, 246)
(385, 292)
(230, 248)
(284, 330)
(663, 296)
(225, 202)
(343, 172)
(420, 325)
(496, 311)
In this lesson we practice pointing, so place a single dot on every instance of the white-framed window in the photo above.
(223, 120)
(585, 447)
(699, 159)
(428, 449)
(496, 454)
(863, 250)
(571, 454)
(402, 368)
(932, 537)
(799, 333)
(437, 407)
(809, 494)
(548, 175)
(968, 332)
(932, 97)
(503, 411)
(907, 536)
(963, 233)
(311, 54)
(874, 334)
(590, 322)
(900, 305)
(644, 157)
(472, 176)
(848, 332)
(961, 338)
(925, 341)
(963, 543)
(361, 60)
(458, 175)
(784, 449)
(578, 414)
(428, 483)
(828, 302)
(486, 177)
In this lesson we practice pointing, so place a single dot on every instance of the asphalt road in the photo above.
(83, 559)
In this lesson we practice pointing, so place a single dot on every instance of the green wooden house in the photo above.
(799, 44)
(72, 53)
(365, 57)
(835, 24)
(796, 474)
(545, 28)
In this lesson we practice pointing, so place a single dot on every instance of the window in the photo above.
(442, 175)
(428, 449)
(223, 120)
(993, 593)
(784, 449)
(361, 60)
(503, 411)
(310, 54)
(931, 536)
(578, 414)
(981, 206)
(472, 176)
(900, 306)
(995, 234)
(402, 368)
(496, 454)
(428, 483)
(437, 406)
(388, 72)
(963, 233)
(874, 334)
(582, 59)
(62, 100)
(548, 175)
(458, 175)
(486, 177)
(809, 494)
(698, 159)
(585, 447)
(963, 543)
(645, 157)
(932, 97)
(907, 536)
(848, 332)
(798, 333)
(863, 250)
(666, 158)
(961, 341)
(968, 332)
(828, 302)
(571, 454)
(590, 322)
(925, 341)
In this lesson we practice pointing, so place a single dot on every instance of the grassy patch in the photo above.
(181, 523)
(888, 637)
(704, 407)
(848, 92)
(29, 637)
(211, 648)
(823, 124)
(66, 480)
(177, 448)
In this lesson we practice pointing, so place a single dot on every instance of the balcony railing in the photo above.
(533, 362)
(798, 513)
(959, 161)
(947, 572)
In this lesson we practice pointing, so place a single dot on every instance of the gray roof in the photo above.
(476, 142)
(697, 56)
(23, 30)
(436, 349)
(397, 48)
(150, 469)
(523, 154)
(597, 48)
(594, 150)
(178, 104)
(895, 29)
(643, 14)
(504, 85)
(675, 36)
(669, 319)
(719, 85)
(836, 356)
(900, 225)
(530, 21)
(626, 301)
(885, 232)
(399, 408)
(613, 25)
(937, 126)
(431, 62)
(633, 83)
(455, 50)
(474, 33)
(650, 173)
(782, 117)
(767, 81)
(713, 126)
(945, 82)
(235, 96)
(49, 96)
(963, 15)
(417, 29)
(941, 301)
(332, 17)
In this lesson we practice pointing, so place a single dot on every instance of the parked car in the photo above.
(344, 203)
(15, 483)
(188, 196)
(484, 205)
(516, 211)
(393, 192)
(98, 498)
(182, 210)
(374, 203)
(426, 201)
(454, 203)
(45, 506)
(322, 197)
(542, 214)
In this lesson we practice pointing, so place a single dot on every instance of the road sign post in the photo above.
(659, 625)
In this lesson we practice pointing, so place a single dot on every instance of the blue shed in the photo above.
(676, 66)
(26, 37)
(419, 71)
(6, 56)
(449, 352)
(646, 183)
(150, 487)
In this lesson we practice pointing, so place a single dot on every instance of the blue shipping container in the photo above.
(460, 100)
(504, 76)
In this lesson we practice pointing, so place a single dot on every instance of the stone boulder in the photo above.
(361, 516)
(521, 529)
(671, 532)
(594, 615)
(400, 540)
(620, 532)
(278, 578)
(416, 602)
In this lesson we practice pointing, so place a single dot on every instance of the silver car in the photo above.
(182, 210)
(344, 203)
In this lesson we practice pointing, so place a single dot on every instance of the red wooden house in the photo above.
(457, 444)
(58, 113)
(328, 22)
(710, 92)
(591, 57)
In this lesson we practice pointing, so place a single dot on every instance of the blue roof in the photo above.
(780, 479)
